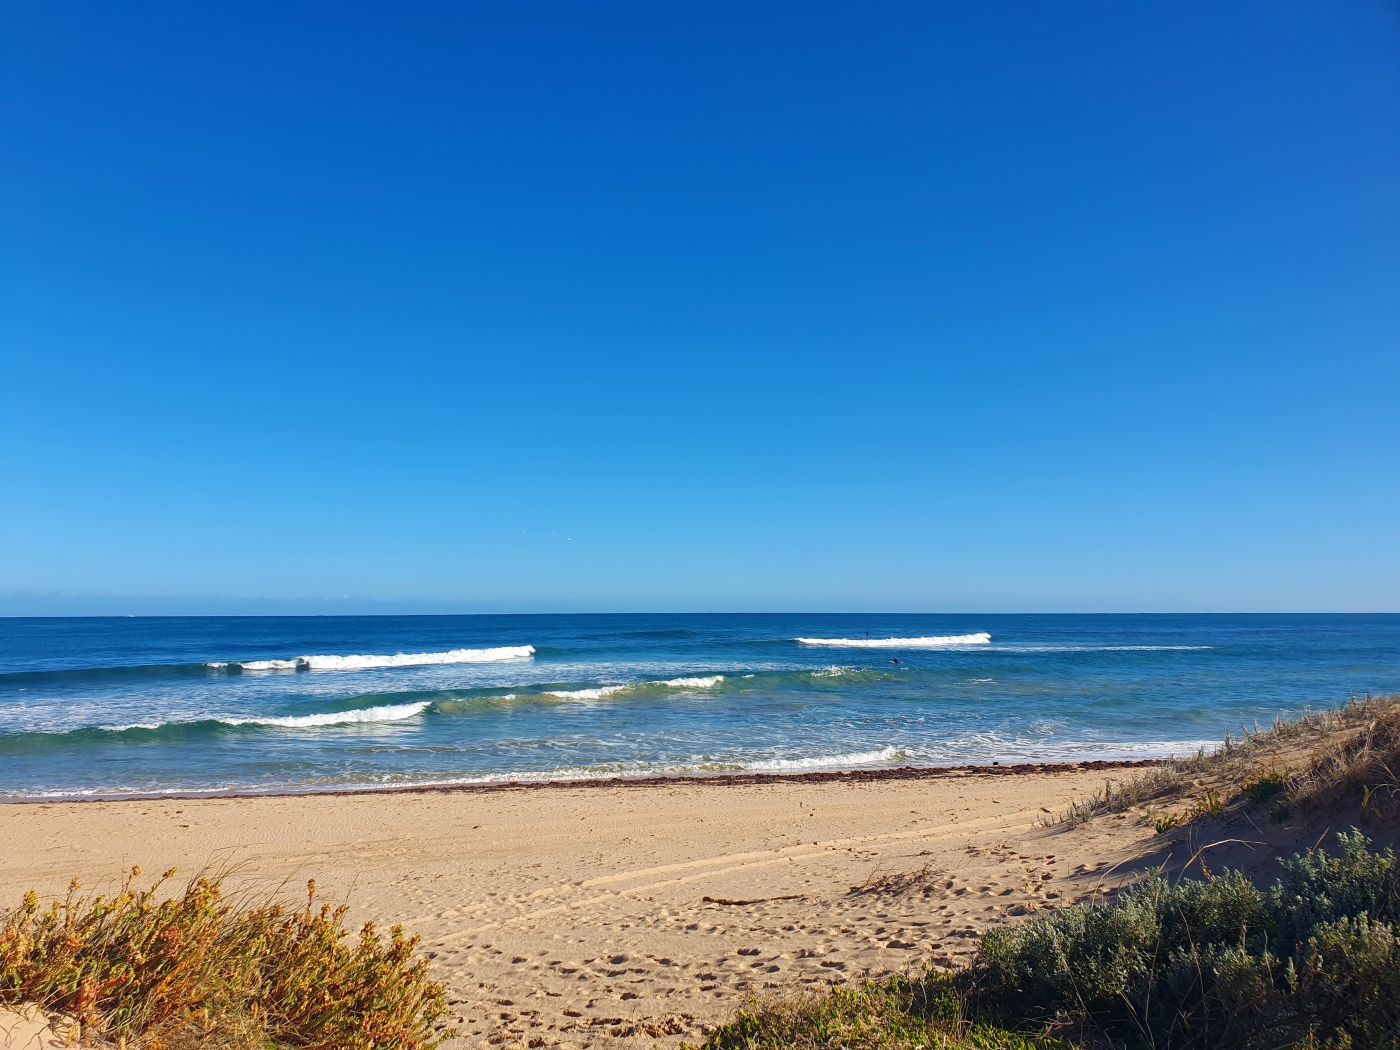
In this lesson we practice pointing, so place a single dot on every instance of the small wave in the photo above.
(181, 730)
(1151, 648)
(376, 662)
(385, 713)
(260, 665)
(698, 766)
(848, 760)
(946, 641)
(702, 682)
(599, 692)
(1097, 648)
(596, 693)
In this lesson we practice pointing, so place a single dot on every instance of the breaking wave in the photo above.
(601, 691)
(376, 662)
(103, 676)
(946, 641)
(446, 702)
(1097, 648)
(847, 760)
(384, 713)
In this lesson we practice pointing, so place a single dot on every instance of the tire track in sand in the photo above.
(747, 861)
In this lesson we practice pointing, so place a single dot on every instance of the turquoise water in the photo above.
(112, 706)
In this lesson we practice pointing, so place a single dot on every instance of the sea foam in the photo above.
(601, 691)
(384, 713)
(375, 662)
(947, 641)
(848, 760)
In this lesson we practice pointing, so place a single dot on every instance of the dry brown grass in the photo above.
(202, 968)
(1342, 756)
(895, 883)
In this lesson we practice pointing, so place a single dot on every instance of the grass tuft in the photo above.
(1345, 756)
(892, 1014)
(202, 968)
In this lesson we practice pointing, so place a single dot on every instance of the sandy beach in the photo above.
(623, 915)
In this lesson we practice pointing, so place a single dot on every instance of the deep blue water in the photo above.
(128, 705)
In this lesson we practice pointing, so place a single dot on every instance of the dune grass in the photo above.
(204, 968)
(1312, 962)
(932, 1013)
(1347, 756)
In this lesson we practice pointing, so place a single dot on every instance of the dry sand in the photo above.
(626, 916)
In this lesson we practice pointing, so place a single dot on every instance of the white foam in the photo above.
(699, 767)
(496, 654)
(137, 725)
(601, 691)
(976, 748)
(264, 665)
(847, 760)
(596, 693)
(705, 682)
(385, 713)
(1097, 648)
(1152, 648)
(946, 641)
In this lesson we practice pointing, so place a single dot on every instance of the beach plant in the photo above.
(897, 1013)
(1344, 757)
(1313, 961)
(204, 967)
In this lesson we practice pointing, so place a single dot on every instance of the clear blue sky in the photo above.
(511, 306)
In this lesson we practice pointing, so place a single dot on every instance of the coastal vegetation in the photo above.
(202, 967)
(1313, 961)
(1347, 757)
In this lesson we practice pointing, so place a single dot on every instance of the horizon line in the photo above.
(768, 612)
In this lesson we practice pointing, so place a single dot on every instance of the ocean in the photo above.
(170, 705)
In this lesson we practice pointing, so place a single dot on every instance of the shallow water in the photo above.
(133, 705)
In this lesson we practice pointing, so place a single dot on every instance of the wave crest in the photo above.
(946, 641)
(598, 692)
(384, 713)
(496, 654)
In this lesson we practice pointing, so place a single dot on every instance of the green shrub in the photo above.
(1347, 980)
(1316, 888)
(1312, 962)
(1088, 955)
(1263, 788)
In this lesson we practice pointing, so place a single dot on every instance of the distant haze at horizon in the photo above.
(47, 605)
(469, 308)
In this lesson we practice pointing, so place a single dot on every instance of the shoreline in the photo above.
(839, 776)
